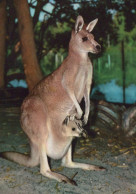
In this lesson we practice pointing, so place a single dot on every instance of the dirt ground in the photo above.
(104, 149)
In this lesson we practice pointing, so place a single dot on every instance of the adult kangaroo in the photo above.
(55, 98)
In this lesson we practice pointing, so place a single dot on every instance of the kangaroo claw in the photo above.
(102, 168)
(70, 181)
(73, 182)
(83, 123)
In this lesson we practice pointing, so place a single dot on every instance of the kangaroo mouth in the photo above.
(97, 51)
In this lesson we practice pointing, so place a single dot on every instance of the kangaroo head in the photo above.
(72, 127)
(82, 39)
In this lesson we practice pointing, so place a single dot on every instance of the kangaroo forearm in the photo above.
(87, 105)
(72, 96)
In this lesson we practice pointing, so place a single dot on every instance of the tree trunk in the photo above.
(31, 67)
(2, 41)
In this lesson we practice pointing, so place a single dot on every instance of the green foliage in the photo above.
(128, 36)
(58, 36)
(51, 61)
(109, 65)
(48, 63)
(105, 70)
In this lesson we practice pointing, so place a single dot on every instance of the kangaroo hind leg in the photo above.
(46, 171)
(67, 162)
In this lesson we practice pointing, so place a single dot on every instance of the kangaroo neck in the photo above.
(77, 54)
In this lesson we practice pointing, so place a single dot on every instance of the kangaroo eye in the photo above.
(84, 39)
(73, 129)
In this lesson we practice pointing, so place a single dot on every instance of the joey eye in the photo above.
(84, 39)
(73, 129)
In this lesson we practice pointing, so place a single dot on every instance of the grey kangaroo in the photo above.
(56, 99)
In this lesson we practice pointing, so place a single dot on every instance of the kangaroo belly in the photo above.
(57, 149)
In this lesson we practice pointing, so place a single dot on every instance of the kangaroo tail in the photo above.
(23, 159)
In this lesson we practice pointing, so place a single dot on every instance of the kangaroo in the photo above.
(55, 98)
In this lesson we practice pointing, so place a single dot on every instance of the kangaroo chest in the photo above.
(57, 148)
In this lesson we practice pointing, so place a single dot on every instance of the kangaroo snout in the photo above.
(84, 133)
(98, 48)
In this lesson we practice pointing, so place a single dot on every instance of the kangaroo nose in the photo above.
(98, 47)
(84, 134)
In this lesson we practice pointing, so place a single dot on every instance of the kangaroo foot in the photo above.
(58, 177)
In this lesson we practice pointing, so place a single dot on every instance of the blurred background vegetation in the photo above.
(53, 21)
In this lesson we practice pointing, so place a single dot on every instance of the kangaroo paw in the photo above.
(84, 121)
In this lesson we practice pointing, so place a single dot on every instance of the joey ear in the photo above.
(66, 120)
(79, 24)
(91, 25)
(72, 117)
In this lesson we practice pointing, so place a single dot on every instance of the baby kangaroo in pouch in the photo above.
(51, 113)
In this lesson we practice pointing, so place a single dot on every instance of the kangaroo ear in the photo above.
(79, 24)
(66, 120)
(91, 25)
